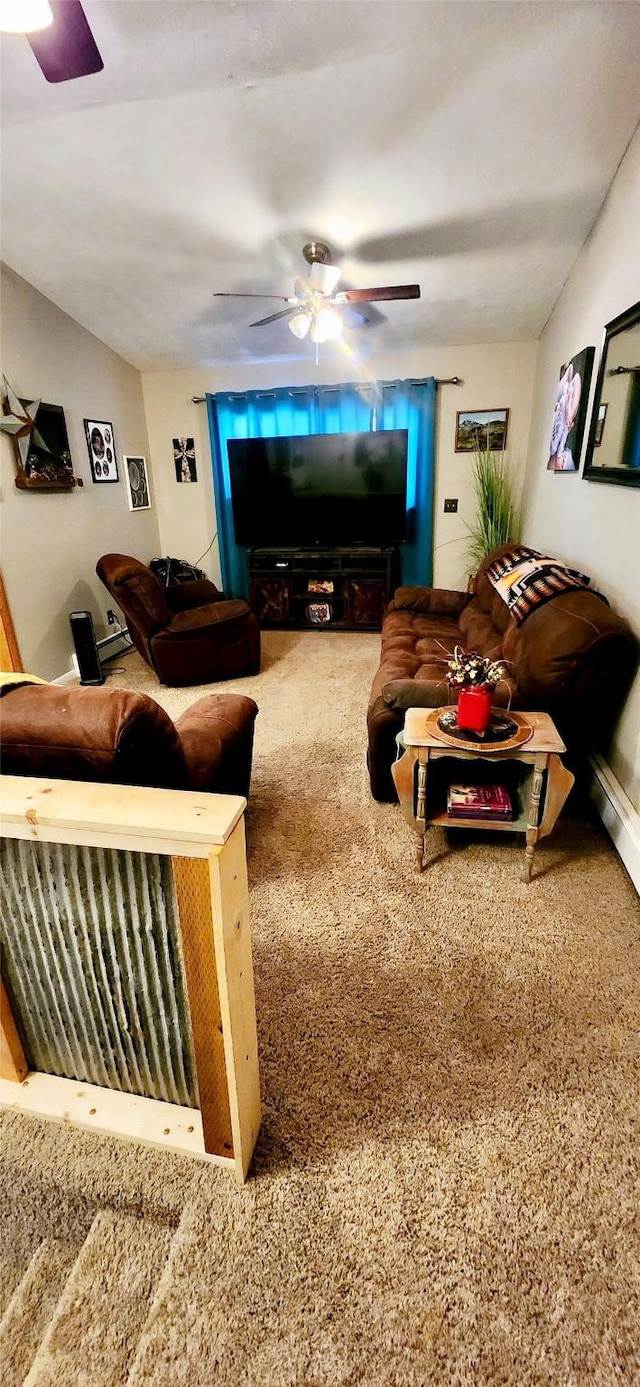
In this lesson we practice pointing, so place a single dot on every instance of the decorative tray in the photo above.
(505, 730)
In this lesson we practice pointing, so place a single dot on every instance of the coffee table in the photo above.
(540, 788)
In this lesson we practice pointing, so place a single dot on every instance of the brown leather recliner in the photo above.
(123, 738)
(187, 632)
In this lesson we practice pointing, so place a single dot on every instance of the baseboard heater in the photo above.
(618, 815)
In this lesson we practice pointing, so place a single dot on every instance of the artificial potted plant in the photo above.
(498, 515)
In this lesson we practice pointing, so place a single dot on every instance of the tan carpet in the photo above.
(445, 1185)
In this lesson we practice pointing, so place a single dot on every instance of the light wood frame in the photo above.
(204, 836)
(10, 660)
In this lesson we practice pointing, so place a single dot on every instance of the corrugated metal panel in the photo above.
(92, 963)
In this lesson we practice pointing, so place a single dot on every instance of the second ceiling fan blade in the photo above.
(382, 295)
(229, 294)
(273, 317)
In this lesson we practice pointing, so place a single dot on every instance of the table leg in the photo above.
(421, 805)
(413, 802)
(534, 816)
(421, 800)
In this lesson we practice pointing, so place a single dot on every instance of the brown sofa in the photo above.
(187, 632)
(114, 736)
(572, 657)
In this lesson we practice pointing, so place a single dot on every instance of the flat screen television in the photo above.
(321, 490)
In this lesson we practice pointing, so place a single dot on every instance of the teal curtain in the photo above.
(349, 408)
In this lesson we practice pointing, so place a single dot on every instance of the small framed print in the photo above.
(484, 429)
(102, 450)
(599, 430)
(135, 471)
(184, 457)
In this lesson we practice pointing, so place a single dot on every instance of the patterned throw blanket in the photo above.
(525, 579)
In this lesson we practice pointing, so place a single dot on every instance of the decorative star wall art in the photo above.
(40, 440)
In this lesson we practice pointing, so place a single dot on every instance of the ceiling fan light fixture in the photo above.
(326, 326)
(299, 325)
(324, 278)
(24, 16)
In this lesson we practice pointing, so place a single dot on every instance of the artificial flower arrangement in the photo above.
(469, 670)
(474, 678)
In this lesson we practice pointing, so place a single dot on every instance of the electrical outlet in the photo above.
(450, 505)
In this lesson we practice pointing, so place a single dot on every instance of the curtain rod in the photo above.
(450, 380)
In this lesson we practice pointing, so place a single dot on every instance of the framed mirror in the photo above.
(613, 449)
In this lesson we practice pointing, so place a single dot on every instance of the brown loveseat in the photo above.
(188, 632)
(114, 736)
(572, 657)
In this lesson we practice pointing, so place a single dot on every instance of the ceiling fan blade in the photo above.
(383, 295)
(229, 294)
(273, 317)
(67, 48)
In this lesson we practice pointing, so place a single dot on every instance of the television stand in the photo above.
(322, 589)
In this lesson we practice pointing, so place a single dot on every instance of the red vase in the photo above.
(474, 709)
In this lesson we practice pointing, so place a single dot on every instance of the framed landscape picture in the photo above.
(135, 471)
(102, 450)
(481, 428)
(570, 412)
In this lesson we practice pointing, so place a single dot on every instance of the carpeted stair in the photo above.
(76, 1315)
(14, 1260)
(147, 1347)
(32, 1304)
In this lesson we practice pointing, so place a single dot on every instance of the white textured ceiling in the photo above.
(467, 147)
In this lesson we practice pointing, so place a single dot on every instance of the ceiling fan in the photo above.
(58, 34)
(314, 306)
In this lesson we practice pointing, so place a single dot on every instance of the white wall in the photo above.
(593, 525)
(495, 376)
(51, 543)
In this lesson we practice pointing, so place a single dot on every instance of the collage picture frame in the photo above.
(102, 451)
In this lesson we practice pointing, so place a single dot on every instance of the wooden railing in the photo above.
(202, 835)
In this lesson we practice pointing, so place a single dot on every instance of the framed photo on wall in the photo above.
(570, 412)
(102, 450)
(184, 457)
(481, 428)
(135, 471)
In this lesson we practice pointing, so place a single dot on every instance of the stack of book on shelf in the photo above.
(490, 802)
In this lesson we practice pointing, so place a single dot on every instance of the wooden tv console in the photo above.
(322, 589)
